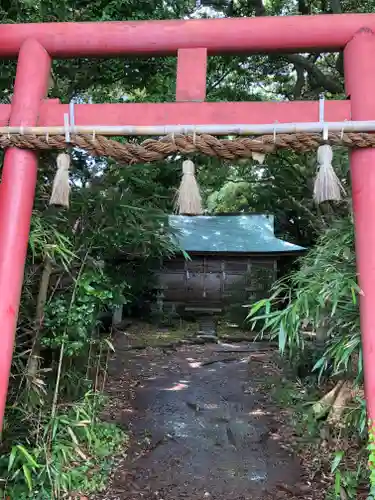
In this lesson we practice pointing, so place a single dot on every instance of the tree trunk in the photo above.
(344, 395)
(333, 403)
(33, 364)
(323, 406)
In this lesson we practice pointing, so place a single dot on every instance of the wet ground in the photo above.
(203, 426)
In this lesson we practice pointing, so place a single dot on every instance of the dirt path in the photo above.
(202, 426)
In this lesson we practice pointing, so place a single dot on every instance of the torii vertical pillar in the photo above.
(359, 62)
(17, 197)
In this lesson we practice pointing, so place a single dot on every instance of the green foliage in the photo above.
(320, 300)
(70, 318)
(101, 254)
(282, 186)
(346, 481)
(72, 454)
(321, 294)
(371, 460)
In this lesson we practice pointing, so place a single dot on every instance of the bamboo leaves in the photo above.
(321, 294)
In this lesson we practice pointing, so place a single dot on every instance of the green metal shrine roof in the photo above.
(229, 233)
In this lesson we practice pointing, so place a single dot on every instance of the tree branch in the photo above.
(313, 71)
(259, 8)
(304, 63)
(219, 80)
(300, 83)
(303, 8)
(336, 7)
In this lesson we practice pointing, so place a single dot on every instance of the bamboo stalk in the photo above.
(229, 129)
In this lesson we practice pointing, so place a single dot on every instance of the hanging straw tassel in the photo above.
(61, 187)
(327, 185)
(189, 200)
(259, 157)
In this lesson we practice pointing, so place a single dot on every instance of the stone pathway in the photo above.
(202, 426)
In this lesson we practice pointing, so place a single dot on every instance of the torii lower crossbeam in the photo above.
(192, 41)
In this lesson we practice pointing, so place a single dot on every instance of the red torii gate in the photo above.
(192, 41)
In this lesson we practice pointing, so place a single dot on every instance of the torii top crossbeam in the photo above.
(192, 41)
(218, 36)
